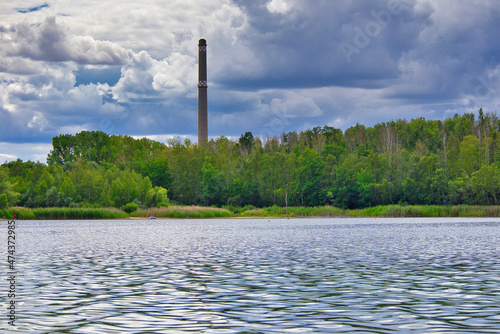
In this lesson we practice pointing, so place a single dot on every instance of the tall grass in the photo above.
(184, 212)
(21, 213)
(67, 213)
(428, 211)
(273, 211)
(293, 211)
(378, 211)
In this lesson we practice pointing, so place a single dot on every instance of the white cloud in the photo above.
(148, 78)
(74, 129)
(278, 6)
(7, 157)
(38, 121)
(136, 80)
(175, 73)
(25, 151)
(293, 105)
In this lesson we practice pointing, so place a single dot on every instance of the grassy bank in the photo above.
(430, 211)
(293, 211)
(65, 213)
(378, 211)
(273, 211)
(184, 212)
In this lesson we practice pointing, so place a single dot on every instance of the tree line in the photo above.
(450, 162)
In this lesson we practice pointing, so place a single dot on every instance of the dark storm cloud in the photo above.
(454, 54)
(49, 41)
(302, 47)
(420, 51)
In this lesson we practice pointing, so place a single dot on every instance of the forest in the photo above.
(416, 162)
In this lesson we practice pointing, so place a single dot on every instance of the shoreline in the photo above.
(199, 212)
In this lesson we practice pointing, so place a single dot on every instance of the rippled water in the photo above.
(259, 276)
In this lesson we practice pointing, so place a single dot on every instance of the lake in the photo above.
(257, 276)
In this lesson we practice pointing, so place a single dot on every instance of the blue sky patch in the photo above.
(109, 75)
(33, 9)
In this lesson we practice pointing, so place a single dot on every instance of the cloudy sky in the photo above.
(130, 67)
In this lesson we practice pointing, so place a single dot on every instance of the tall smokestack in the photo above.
(202, 93)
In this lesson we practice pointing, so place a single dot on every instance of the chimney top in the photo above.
(203, 42)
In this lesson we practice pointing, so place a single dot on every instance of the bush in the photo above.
(156, 196)
(4, 214)
(162, 195)
(3, 201)
(130, 207)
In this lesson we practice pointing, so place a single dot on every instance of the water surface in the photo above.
(259, 276)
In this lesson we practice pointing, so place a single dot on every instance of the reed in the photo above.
(378, 211)
(293, 211)
(429, 211)
(67, 213)
(21, 213)
(184, 212)
(272, 211)
(368, 212)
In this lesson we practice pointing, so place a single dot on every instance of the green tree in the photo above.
(186, 161)
(469, 158)
(40, 193)
(486, 182)
(156, 196)
(381, 193)
(309, 178)
(63, 150)
(345, 187)
(440, 187)
(460, 190)
(51, 197)
(67, 187)
(3, 201)
(162, 196)
(158, 172)
(286, 176)
(126, 188)
(214, 187)
(246, 141)
(411, 192)
(363, 181)
(243, 193)
(6, 188)
(89, 187)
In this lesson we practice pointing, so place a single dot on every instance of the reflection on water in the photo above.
(255, 276)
